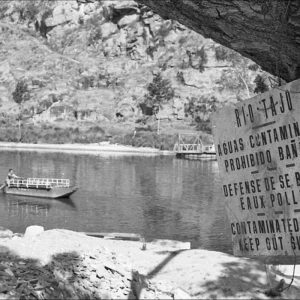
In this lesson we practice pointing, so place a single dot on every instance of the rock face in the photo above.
(268, 32)
(92, 61)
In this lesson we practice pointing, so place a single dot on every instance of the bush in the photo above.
(87, 82)
(260, 84)
(180, 77)
(202, 58)
(21, 92)
(221, 53)
(204, 125)
(253, 67)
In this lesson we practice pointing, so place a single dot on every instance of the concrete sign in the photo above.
(258, 148)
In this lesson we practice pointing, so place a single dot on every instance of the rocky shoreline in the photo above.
(62, 264)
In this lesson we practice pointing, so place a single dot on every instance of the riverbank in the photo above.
(65, 264)
(95, 148)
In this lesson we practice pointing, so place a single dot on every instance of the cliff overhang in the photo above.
(266, 31)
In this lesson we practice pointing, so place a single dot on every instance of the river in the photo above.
(155, 196)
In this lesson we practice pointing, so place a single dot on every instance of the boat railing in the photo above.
(38, 182)
(187, 148)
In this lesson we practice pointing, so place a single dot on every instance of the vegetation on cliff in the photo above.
(111, 65)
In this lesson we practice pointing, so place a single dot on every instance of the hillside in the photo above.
(80, 71)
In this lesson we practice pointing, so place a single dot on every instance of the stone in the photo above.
(127, 4)
(63, 13)
(33, 231)
(5, 233)
(191, 78)
(171, 37)
(128, 20)
(108, 29)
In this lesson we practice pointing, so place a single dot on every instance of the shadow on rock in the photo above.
(243, 279)
(66, 276)
(141, 287)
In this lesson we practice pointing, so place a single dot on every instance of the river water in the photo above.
(158, 197)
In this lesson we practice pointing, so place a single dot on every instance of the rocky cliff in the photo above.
(92, 61)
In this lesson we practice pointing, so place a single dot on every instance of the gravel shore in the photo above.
(99, 148)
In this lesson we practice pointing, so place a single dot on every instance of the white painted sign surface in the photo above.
(258, 149)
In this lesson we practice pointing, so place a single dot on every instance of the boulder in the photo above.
(192, 78)
(126, 5)
(128, 20)
(108, 29)
(89, 8)
(63, 13)
(171, 37)
(5, 233)
(33, 231)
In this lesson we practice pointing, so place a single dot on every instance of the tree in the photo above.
(20, 95)
(160, 91)
(260, 84)
(200, 110)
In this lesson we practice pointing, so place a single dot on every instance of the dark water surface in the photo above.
(158, 197)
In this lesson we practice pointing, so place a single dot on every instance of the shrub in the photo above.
(202, 58)
(204, 125)
(21, 93)
(253, 67)
(221, 53)
(180, 77)
(260, 84)
(225, 54)
(87, 82)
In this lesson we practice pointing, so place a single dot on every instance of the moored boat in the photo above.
(191, 146)
(40, 187)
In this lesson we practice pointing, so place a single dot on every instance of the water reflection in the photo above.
(25, 206)
(158, 197)
(21, 208)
